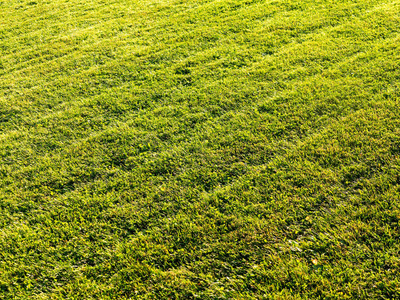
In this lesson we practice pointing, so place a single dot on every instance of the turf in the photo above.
(200, 149)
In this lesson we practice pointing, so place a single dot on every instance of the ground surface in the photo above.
(220, 149)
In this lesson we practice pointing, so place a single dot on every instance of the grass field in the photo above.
(200, 149)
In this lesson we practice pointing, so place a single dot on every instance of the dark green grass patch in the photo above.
(199, 149)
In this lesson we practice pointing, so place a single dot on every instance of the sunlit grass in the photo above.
(199, 149)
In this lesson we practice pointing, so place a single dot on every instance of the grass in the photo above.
(199, 149)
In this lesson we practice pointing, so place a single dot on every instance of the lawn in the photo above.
(200, 149)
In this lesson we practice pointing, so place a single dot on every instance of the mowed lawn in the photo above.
(200, 149)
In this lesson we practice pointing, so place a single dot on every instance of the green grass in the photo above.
(200, 149)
